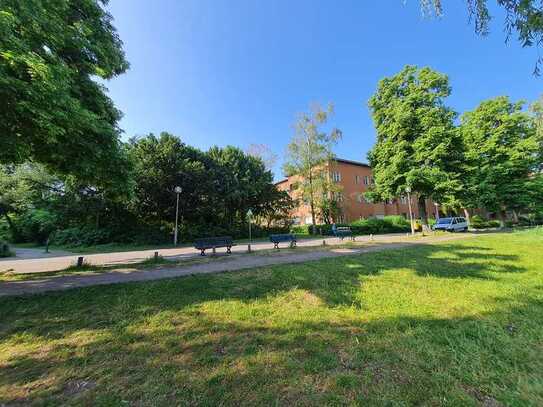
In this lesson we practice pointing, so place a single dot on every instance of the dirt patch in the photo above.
(75, 387)
(483, 399)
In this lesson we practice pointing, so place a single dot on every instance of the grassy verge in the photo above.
(456, 323)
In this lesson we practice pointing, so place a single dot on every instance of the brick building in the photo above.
(354, 179)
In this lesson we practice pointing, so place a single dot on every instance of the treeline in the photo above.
(491, 159)
(218, 187)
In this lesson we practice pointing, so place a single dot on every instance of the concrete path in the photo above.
(218, 264)
(30, 253)
(64, 260)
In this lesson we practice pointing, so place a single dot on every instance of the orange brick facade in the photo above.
(354, 179)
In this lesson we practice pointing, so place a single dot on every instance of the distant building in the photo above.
(354, 178)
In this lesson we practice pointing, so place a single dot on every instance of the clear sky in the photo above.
(219, 72)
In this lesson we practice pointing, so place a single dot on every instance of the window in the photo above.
(357, 179)
(336, 176)
(372, 181)
(359, 198)
(366, 180)
(403, 200)
(337, 196)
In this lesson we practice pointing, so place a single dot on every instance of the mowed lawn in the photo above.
(459, 323)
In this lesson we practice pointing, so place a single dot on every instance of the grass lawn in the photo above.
(456, 323)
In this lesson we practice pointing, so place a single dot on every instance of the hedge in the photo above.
(389, 224)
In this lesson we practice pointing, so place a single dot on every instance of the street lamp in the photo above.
(177, 190)
(249, 218)
(408, 190)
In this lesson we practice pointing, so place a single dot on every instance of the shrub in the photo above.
(478, 222)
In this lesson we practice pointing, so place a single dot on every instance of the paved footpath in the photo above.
(217, 265)
(28, 263)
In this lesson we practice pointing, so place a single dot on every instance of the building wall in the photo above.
(354, 179)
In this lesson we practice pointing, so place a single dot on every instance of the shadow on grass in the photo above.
(151, 343)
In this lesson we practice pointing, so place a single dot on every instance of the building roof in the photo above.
(361, 164)
(339, 160)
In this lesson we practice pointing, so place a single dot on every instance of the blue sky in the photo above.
(237, 72)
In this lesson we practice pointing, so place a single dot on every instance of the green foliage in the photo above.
(524, 17)
(53, 111)
(389, 224)
(478, 222)
(417, 146)
(308, 155)
(502, 152)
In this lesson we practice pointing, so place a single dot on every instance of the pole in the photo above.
(249, 246)
(410, 213)
(176, 218)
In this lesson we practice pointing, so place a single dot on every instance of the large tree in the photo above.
(503, 156)
(53, 110)
(523, 17)
(308, 154)
(417, 145)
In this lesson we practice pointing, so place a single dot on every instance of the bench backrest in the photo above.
(287, 237)
(209, 242)
(344, 229)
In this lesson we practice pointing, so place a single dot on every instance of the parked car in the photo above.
(451, 224)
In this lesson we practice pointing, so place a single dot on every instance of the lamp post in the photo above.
(437, 210)
(249, 218)
(177, 190)
(408, 190)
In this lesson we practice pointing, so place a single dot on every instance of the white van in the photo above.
(451, 224)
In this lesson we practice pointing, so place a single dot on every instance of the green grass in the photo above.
(455, 323)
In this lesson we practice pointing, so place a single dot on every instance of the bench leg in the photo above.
(202, 252)
(214, 251)
(292, 244)
(276, 245)
(229, 250)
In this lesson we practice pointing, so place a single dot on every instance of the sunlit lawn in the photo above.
(451, 324)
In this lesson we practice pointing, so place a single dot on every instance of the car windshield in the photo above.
(444, 221)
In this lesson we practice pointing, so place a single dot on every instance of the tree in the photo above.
(276, 209)
(525, 17)
(503, 155)
(53, 111)
(417, 144)
(162, 163)
(264, 153)
(308, 154)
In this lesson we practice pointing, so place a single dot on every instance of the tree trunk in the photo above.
(501, 217)
(422, 210)
(12, 227)
(467, 215)
(312, 204)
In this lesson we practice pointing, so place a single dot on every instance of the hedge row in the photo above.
(389, 224)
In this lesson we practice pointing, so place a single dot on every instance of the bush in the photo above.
(478, 222)
(5, 250)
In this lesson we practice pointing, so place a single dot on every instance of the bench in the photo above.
(205, 243)
(276, 239)
(343, 232)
